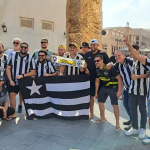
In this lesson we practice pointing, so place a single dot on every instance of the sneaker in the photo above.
(19, 108)
(142, 133)
(131, 132)
(127, 123)
(128, 128)
(146, 141)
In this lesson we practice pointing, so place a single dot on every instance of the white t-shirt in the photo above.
(8, 52)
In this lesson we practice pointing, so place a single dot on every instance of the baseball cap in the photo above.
(74, 44)
(61, 46)
(94, 41)
(84, 44)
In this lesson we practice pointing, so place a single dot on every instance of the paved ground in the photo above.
(55, 134)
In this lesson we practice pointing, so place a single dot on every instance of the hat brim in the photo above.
(84, 46)
(72, 45)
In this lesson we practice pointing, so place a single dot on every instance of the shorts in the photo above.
(105, 92)
(148, 105)
(13, 89)
(92, 88)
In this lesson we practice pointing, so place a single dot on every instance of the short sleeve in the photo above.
(52, 68)
(6, 99)
(9, 61)
(33, 56)
(114, 72)
(106, 58)
(147, 64)
(32, 64)
(130, 61)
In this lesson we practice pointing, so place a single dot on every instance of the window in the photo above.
(26, 22)
(48, 25)
(137, 38)
(137, 42)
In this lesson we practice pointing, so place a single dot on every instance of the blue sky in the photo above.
(119, 12)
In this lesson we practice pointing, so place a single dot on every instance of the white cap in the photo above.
(94, 41)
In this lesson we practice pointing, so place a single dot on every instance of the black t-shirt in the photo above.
(89, 58)
(112, 59)
(108, 77)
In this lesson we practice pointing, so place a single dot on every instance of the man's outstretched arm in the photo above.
(134, 52)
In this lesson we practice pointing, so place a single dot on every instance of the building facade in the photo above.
(142, 37)
(113, 39)
(32, 20)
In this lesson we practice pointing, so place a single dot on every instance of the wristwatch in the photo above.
(23, 75)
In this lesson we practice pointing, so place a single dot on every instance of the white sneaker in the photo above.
(146, 141)
(131, 132)
(142, 133)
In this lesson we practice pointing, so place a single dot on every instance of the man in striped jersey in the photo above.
(137, 96)
(19, 65)
(145, 62)
(124, 66)
(71, 70)
(44, 46)
(44, 67)
(3, 61)
(16, 48)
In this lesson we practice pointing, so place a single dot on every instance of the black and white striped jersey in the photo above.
(20, 65)
(139, 86)
(43, 68)
(3, 65)
(125, 70)
(71, 70)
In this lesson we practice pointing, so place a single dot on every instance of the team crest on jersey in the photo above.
(106, 73)
(54, 58)
(46, 67)
(26, 61)
(4, 61)
(125, 65)
(137, 67)
(79, 63)
(2, 93)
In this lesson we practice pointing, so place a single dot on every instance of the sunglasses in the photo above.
(15, 43)
(43, 42)
(96, 61)
(24, 47)
(41, 55)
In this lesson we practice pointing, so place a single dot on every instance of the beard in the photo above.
(1, 52)
(44, 47)
(93, 50)
(23, 53)
(42, 61)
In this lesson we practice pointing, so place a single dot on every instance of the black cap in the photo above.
(84, 44)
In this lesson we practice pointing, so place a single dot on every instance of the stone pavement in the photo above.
(56, 134)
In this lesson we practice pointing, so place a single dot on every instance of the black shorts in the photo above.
(92, 88)
(13, 89)
(105, 92)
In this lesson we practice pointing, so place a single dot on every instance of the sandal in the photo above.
(100, 121)
(91, 117)
(117, 129)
